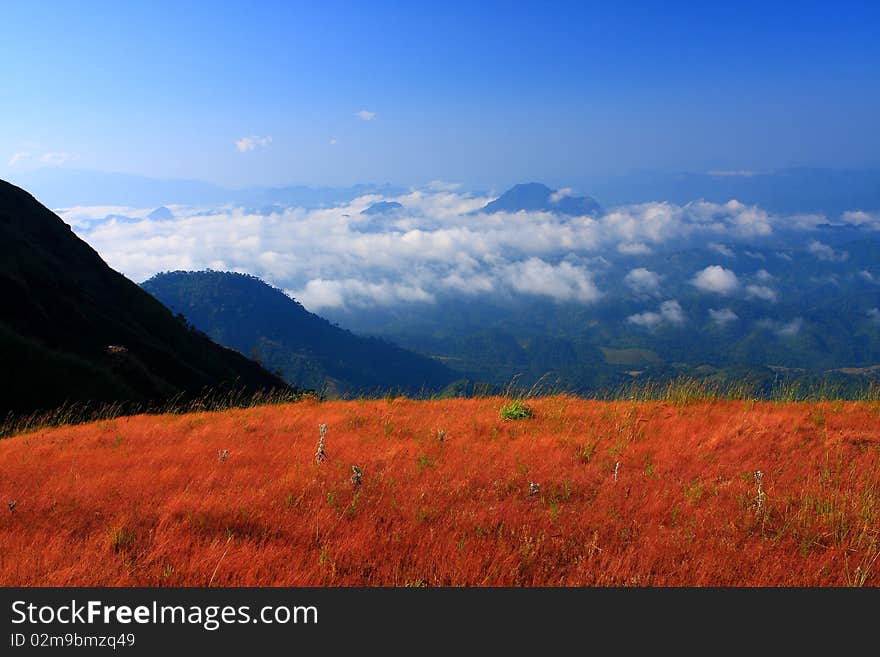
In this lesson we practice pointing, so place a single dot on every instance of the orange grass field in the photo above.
(146, 500)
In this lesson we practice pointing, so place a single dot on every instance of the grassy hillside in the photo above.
(583, 493)
(74, 330)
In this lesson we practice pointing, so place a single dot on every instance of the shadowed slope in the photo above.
(73, 329)
(244, 313)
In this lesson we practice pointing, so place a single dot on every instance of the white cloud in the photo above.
(868, 276)
(560, 194)
(826, 253)
(365, 115)
(470, 284)
(726, 251)
(319, 293)
(761, 292)
(633, 248)
(648, 319)
(21, 156)
(443, 186)
(253, 142)
(50, 158)
(670, 312)
(732, 173)
(717, 279)
(791, 328)
(56, 158)
(562, 282)
(783, 329)
(87, 215)
(723, 316)
(869, 220)
(806, 222)
(764, 276)
(333, 141)
(874, 315)
(635, 228)
(643, 281)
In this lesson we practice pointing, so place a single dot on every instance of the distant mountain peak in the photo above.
(161, 214)
(382, 207)
(537, 197)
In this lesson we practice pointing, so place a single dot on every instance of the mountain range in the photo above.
(800, 304)
(785, 191)
(65, 187)
(791, 190)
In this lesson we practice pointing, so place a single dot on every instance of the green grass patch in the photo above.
(516, 410)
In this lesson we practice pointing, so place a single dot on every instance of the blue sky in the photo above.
(481, 93)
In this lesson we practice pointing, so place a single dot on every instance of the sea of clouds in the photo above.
(440, 244)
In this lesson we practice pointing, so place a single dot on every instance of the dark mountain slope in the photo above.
(73, 329)
(246, 314)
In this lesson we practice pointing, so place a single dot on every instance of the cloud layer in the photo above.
(437, 245)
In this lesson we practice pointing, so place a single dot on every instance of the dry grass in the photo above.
(145, 500)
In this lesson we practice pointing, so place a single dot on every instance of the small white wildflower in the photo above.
(321, 454)
(761, 495)
(357, 476)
